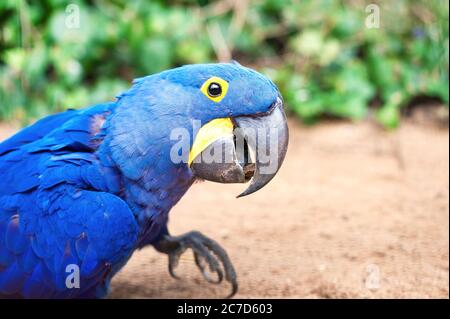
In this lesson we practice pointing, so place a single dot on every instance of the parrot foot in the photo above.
(207, 253)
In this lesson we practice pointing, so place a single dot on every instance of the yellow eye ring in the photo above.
(215, 88)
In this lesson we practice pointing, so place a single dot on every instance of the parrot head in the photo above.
(233, 116)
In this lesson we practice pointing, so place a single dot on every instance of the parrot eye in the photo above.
(215, 88)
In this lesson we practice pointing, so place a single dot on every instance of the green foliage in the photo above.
(321, 54)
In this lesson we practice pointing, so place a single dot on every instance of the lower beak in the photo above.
(251, 148)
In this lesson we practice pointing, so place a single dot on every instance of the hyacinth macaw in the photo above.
(86, 188)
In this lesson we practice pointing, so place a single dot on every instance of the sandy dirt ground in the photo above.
(355, 212)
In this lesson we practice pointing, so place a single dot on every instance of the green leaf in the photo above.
(389, 116)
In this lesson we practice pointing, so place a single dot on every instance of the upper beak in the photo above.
(254, 149)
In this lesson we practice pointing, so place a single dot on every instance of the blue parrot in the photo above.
(81, 190)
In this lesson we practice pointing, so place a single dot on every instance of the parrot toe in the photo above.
(207, 254)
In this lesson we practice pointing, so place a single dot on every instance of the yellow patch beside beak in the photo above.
(209, 133)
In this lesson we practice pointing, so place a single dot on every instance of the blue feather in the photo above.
(16, 242)
(11, 279)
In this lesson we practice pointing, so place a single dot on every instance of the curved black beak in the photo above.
(255, 151)
(268, 138)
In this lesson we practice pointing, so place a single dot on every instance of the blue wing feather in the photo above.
(36, 131)
(58, 207)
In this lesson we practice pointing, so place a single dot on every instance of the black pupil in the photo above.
(214, 89)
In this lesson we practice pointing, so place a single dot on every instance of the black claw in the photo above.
(234, 289)
(206, 251)
(230, 273)
(217, 270)
(173, 274)
(173, 263)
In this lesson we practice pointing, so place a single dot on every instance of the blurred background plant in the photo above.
(320, 53)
